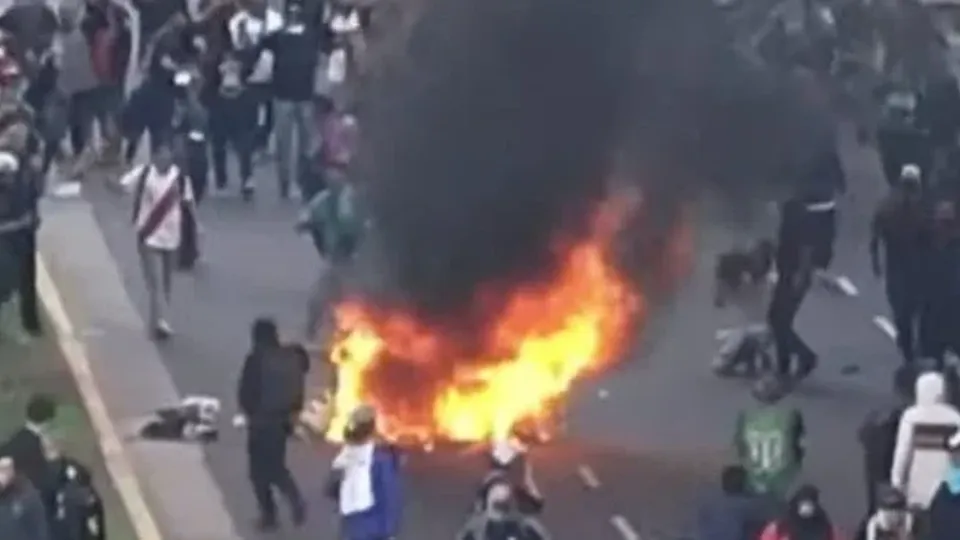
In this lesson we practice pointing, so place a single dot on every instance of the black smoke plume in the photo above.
(497, 128)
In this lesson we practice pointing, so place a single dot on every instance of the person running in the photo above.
(162, 197)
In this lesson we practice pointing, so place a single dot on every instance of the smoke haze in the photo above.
(498, 128)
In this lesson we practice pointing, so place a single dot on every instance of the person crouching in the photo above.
(365, 481)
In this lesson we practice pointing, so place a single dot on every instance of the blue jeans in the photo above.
(292, 125)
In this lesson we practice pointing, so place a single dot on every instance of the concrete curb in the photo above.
(118, 463)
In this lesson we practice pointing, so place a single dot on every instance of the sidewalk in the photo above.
(28, 366)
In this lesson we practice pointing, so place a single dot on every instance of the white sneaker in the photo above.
(162, 330)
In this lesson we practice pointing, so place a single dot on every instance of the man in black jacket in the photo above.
(944, 512)
(27, 446)
(270, 396)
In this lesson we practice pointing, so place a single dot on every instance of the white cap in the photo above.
(9, 162)
(910, 171)
(345, 24)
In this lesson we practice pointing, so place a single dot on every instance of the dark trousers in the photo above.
(938, 329)
(784, 306)
(82, 110)
(233, 124)
(23, 246)
(906, 306)
(261, 96)
(149, 109)
(197, 166)
(267, 452)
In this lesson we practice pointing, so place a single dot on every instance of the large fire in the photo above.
(426, 388)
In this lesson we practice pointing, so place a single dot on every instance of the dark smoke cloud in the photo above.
(497, 129)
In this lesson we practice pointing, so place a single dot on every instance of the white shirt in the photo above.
(246, 30)
(167, 234)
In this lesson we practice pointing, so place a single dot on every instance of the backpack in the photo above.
(282, 377)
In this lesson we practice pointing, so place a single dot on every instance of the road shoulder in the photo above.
(167, 488)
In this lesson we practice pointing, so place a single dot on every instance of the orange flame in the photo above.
(544, 338)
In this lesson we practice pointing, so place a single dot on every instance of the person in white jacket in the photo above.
(920, 457)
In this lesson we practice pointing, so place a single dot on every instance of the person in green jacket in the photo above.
(769, 441)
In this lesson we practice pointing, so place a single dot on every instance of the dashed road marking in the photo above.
(724, 333)
(623, 526)
(846, 286)
(118, 463)
(885, 326)
(588, 477)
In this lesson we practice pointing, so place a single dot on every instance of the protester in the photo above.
(78, 81)
(500, 519)
(163, 197)
(365, 482)
(878, 434)
(75, 507)
(943, 520)
(769, 441)
(27, 446)
(742, 279)
(804, 519)
(22, 516)
(254, 21)
(900, 141)
(190, 127)
(919, 459)
(892, 520)
(33, 25)
(509, 463)
(150, 106)
(270, 395)
(804, 245)
(107, 28)
(233, 120)
(732, 513)
(154, 14)
(17, 223)
(296, 49)
(941, 282)
(900, 229)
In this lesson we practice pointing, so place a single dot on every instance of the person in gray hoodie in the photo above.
(22, 516)
(732, 514)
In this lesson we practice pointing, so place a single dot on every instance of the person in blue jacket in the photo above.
(365, 482)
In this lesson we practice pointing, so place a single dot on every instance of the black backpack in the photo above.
(282, 377)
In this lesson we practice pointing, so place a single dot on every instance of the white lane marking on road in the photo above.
(885, 326)
(724, 333)
(846, 286)
(118, 463)
(623, 526)
(588, 477)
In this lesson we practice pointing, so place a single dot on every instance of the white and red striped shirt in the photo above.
(158, 222)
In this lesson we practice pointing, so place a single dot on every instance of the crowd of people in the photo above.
(45, 495)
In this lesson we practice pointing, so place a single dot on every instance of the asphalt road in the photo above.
(654, 438)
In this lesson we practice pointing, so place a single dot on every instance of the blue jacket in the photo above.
(382, 521)
(729, 517)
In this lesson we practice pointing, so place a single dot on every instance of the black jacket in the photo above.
(944, 515)
(26, 449)
(296, 56)
(272, 383)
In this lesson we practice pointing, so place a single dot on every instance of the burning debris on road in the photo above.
(486, 162)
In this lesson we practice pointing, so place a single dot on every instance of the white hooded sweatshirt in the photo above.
(920, 458)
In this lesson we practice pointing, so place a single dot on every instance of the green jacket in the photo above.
(769, 444)
(334, 217)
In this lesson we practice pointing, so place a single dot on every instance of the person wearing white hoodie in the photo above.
(920, 458)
